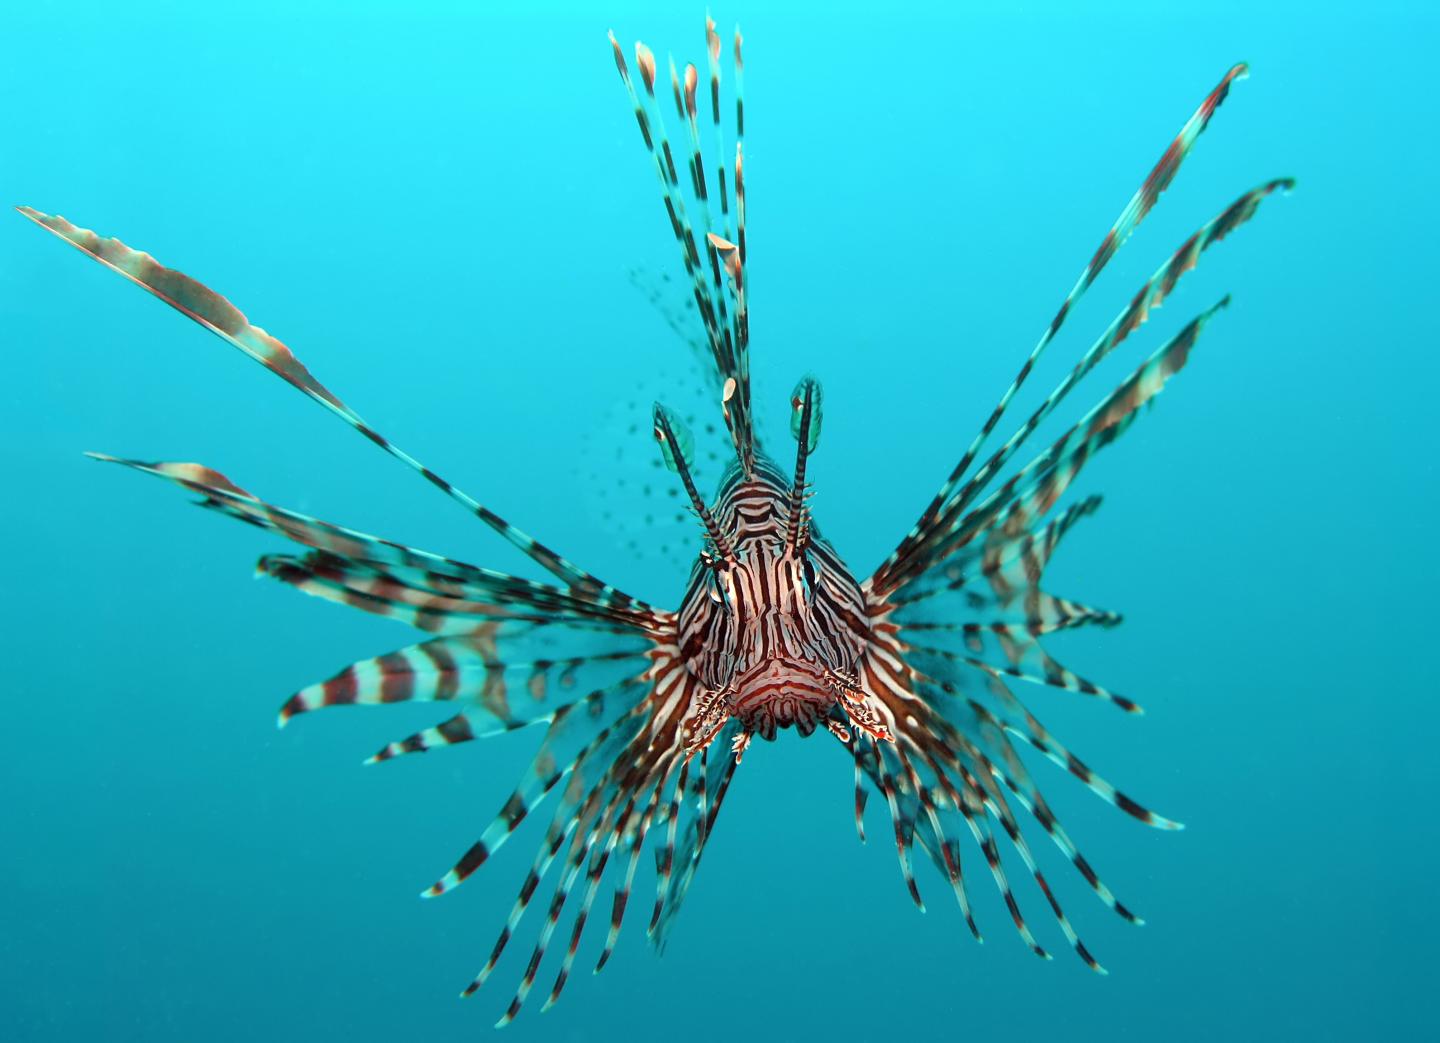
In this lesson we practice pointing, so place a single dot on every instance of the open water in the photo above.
(439, 206)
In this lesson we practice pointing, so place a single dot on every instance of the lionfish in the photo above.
(647, 711)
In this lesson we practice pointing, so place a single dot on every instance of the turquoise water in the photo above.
(439, 209)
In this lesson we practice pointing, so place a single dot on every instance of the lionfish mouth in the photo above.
(781, 693)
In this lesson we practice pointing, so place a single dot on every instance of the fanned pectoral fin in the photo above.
(581, 737)
(219, 316)
(609, 801)
(193, 299)
(427, 590)
(983, 609)
(604, 677)
(1018, 504)
(1013, 652)
(950, 500)
(1148, 299)
(939, 667)
(690, 827)
(948, 776)
(490, 672)
(1046, 479)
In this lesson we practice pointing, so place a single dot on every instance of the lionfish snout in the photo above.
(780, 693)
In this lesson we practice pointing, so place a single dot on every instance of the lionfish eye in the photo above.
(717, 590)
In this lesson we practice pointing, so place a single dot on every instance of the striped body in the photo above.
(779, 632)
(909, 670)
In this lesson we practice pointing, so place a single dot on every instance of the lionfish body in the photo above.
(773, 624)
(647, 711)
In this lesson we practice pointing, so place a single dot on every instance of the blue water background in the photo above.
(436, 206)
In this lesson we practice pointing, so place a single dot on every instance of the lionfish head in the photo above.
(772, 625)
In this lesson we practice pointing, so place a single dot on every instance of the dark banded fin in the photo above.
(605, 816)
(1149, 297)
(978, 696)
(904, 825)
(665, 853)
(437, 605)
(220, 494)
(944, 778)
(953, 767)
(1016, 777)
(473, 669)
(621, 899)
(635, 788)
(614, 792)
(1030, 663)
(713, 265)
(861, 793)
(1005, 562)
(987, 598)
(222, 318)
(555, 837)
(1017, 505)
(943, 849)
(985, 838)
(594, 873)
(592, 729)
(450, 732)
(708, 787)
(999, 807)
(1035, 734)
(1135, 211)
(1028, 613)
(593, 820)
(739, 146)
(369, 590)
(428, 590)
(916, 815)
